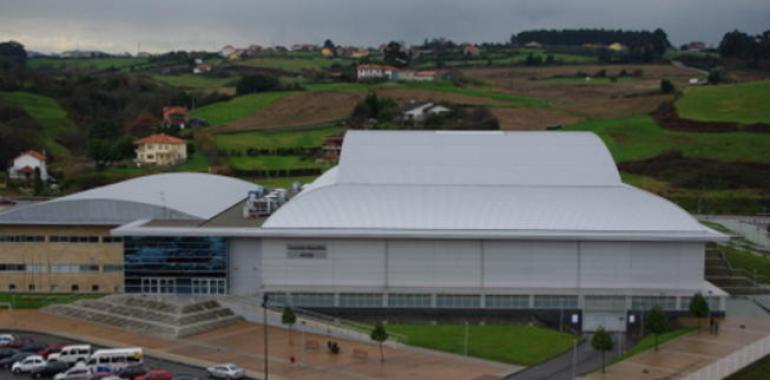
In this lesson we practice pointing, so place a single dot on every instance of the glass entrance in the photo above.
(158, 285)
(209, 286)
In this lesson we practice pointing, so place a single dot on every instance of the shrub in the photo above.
(257, 83)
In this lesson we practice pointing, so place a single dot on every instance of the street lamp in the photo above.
(264, 324)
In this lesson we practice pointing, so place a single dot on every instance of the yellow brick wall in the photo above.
(46, 253)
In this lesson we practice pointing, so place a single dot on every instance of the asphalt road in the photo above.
(149, 362)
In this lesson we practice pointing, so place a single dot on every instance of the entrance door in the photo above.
(609, 320)
(209, 286)
(158, 285)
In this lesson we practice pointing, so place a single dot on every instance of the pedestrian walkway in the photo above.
(242, 343)
(698, 355)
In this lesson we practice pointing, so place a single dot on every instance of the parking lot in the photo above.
(151, 363)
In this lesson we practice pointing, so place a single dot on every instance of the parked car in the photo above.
(227, 371)
(186, 377)
(52, 349)
(20, 342)
(100, 374)
(34, 347)
(8, 362)
(6, 202)
(155, 374)
(28, 364)
(131, 372)
(78, 372)
(6, 339)
(6, 352)
(50, 370)
(72, 354)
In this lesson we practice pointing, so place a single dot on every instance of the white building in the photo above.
(421, 112)
(488, 221)
(371, 72)
(25, 164)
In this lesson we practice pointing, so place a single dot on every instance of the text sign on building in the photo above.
(306, 251)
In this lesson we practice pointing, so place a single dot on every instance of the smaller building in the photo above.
(470, 50)
(175, 116)
(422, 112)
(327, 52)
(415, 76)
(160, 150)
(696, 46)
(374, 72)
(25, 165)
(202, 68)
(617, 46)
(332, 147)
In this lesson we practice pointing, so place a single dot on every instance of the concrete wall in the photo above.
(475, 265)
(245, 265)
(48, 253)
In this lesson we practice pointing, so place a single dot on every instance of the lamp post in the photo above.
(710, 318)
(574, 358)
(264, 324)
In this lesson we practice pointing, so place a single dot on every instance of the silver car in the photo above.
(228, 371)
(79, 372)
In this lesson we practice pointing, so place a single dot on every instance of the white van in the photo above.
(72, 354)
(115, 359)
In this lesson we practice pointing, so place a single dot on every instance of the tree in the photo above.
(329, 44)
(394, 55)
(257, 83)
(142, 125)
(656, 323)
(602, 341)
(288, 318)
(667, 87)
(38, 182)
(379, 335)
(699, 308)
(12, 51)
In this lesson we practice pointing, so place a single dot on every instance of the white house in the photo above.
(24, 166)
(371, 71)
(420, 113)
(468, 222)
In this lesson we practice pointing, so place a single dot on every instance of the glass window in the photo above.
(31, 287)
(276, 299)
(409, 300)
(555, 302)
(495, 301)
(361, 300)
(712, 301)
(11, 287)
(75, 288)
(458, 301)
(646, 303)
(313, 299)
(112, 267)
(94, 288)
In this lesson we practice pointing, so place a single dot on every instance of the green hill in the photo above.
(236, 108)
(745, 103)
(46, 112)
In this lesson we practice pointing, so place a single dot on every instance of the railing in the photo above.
(734, 362)
(752, 277)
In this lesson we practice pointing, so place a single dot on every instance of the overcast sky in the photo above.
(162, 25)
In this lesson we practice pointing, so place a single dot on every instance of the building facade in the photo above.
(26, 164)
(160, 150)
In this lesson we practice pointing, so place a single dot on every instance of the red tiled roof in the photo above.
(26, 170)
(159, 138)
(34, 153)
(375, 66)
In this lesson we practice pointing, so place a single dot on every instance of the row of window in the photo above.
(59, 239)
(61, 268)
(468, 301)
(55, 288)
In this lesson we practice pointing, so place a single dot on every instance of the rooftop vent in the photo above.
(263, 203)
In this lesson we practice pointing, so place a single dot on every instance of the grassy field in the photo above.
(516, 344)
(46, 112)
(38, 300)
(582, 80)
(481, 92)
(750, 263)
(760, 370)
(271, 162)
(295, 64)
(236, 108)
(744, 103)
(193, 81)
(275, 139)
(94, 64)
(648, 342)
(639, 137)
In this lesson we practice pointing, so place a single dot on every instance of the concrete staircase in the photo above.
(719, 273)
(166, 316)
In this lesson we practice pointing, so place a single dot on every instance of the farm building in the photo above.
(160, 149)
(25, 165)
(481, 222)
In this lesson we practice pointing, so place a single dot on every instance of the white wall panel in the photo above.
(245, 265)
(358, 262)
(410, 263)
(605, 264)
(526, 264)
(457, 264)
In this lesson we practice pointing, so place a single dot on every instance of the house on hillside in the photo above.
(327, 52)
(175, 116)
(366, 72)
(617, 46)
(696, 46)
(533, 45)
(332, 147)
(470, 50)
(227, 50)
(25, 165)
(202, 68)
(160, 150)
(415, 76)
(423, 111)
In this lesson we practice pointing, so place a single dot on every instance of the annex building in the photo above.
(449, 222)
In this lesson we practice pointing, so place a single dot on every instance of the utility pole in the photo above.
(574, 358)
(466, 338)
(264, 323)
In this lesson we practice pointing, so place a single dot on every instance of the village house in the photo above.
(470, 50)
(25, 165)
(160, 150)
(332, 147)
(227, 50)
(175, 116)
(617, 46)
(373, 72)
(696, 46)
(202, 68)
(415, 76)
(305, 47)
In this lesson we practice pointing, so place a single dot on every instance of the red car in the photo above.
(53, 348)
(156, 374)
(6, 202)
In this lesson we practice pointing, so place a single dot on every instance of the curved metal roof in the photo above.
(163, 196)
(509, 182)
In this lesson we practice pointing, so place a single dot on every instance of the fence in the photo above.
(734, 362)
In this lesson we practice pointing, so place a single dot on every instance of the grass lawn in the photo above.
(582, 80)
(639, 137)
(284, 182)
(516, 344)
(275, 139)
(744, 103)
(46, 112)
(648, 342)
(295, 64)
(87, 63)
(760, 370)
(38, 300)
(224, 112)
(194, 81)
(267, 162)
(750, 263)
(480, 92)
